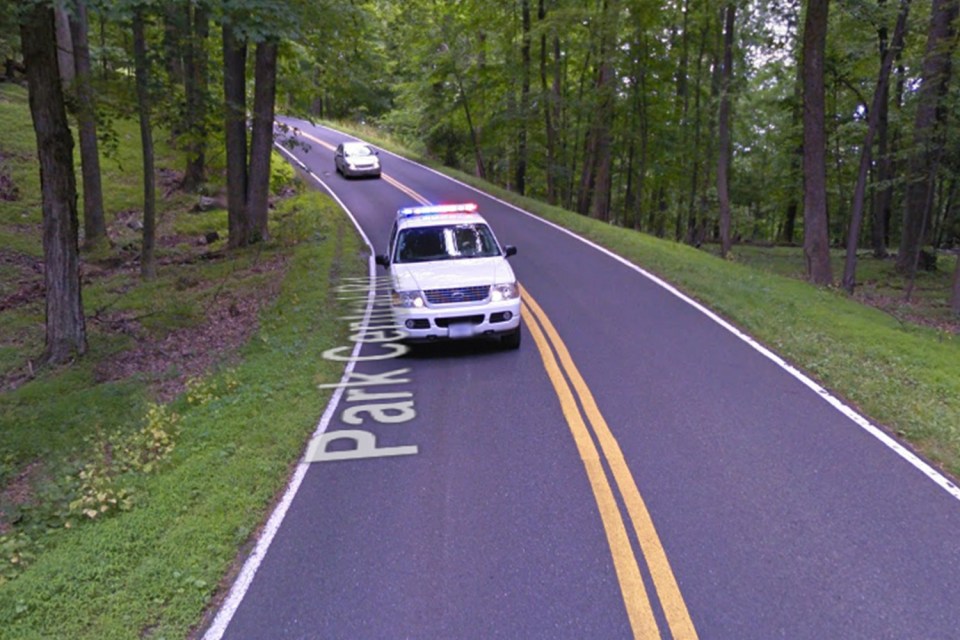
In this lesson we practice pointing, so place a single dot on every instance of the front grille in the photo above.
(457, 295)
(446, 322)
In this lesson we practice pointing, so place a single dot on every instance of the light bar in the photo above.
(466, 207)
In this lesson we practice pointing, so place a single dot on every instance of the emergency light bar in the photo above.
(467, 207)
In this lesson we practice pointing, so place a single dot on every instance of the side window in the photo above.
(391, 246)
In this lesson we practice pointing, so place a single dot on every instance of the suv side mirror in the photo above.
(382, 260)
(509, 250)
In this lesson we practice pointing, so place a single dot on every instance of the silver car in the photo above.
(356, 159)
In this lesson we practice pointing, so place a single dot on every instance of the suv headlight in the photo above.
(500, 292)
(407, 299)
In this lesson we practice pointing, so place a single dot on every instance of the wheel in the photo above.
(511, 340)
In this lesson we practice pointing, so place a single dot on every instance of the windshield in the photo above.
(422, 244)
(357, 150)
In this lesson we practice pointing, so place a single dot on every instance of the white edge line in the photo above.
(245, 578)
(897, 447)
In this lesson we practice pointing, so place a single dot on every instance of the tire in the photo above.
(511, 340)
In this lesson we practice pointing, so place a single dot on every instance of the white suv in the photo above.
(450, 276)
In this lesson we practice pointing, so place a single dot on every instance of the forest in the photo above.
(826, 125)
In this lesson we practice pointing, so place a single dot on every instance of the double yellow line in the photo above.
(570, 386)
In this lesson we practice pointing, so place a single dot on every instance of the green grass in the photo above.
(149, 565)
(155, 567)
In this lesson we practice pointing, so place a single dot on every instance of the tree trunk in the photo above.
(521, 168)
(148, 261)
(691, 236)
(64, 44)
(927, 133)
(235, 101)
(796, 159)
(724, 151)
(261, 142)
(594, 193)
(873, 119)
(548, 105)
(176, 24)
(195, 86)
(604, 147)
(66, 335)
(94, 224)
(879, 229)
(816, 240)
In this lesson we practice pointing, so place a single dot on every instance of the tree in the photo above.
(196, 88)
(521, 171)
(235, 123)
(261, 24)
(148, 261)
(927, 133)
(816, 240)
(66, 335)
(873, 122)
(94, 223)
(724, 152)
(261, 143)
(595, 180)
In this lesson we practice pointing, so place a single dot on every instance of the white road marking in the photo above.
(240, 586)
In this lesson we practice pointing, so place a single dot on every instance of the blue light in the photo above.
(467, 207)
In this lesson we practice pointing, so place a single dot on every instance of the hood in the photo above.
(447, 274)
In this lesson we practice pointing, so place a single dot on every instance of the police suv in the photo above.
(450, 276)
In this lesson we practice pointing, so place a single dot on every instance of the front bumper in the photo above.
(357, 172)
(443, 322)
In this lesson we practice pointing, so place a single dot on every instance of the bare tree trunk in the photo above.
(873, 119)
(548, 106)
(816, 240)
(64, 44)
(796, 159)
(879, 229)
(594, 193)
(521, 168)
(235, 101)
(94, 224)
(724, 151)
(148, 261)
(927, 132)
(66, 335)
(195, 79)
(261, 142)
(690, 236)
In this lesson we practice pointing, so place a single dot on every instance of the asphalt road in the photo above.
(633, 470)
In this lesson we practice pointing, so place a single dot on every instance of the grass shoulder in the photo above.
(129, 479)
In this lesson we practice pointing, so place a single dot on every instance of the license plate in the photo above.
(461, 331)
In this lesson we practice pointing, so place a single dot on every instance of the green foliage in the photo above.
(282, 175)
(307, 217)
(152, 559)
